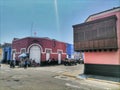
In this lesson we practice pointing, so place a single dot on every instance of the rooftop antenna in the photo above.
(35, 34)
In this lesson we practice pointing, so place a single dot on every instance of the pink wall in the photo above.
(106, 57)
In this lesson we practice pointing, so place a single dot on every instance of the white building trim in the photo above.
(102, 13)
(48, 49)
(34, 44)
(64, 53)
(13, 50)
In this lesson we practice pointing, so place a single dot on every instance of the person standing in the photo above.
(12, 64)
(26, 64)
(0, 65)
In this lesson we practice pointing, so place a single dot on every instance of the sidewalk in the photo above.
(79, 75)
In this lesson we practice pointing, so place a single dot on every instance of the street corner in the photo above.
(92, 78)
(102, 79)
(114, 80)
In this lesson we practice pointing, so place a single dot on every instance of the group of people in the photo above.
(24, 62)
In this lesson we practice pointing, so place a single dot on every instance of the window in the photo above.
(14, 51)
(60, 52)
(48, 51)
(23, 50)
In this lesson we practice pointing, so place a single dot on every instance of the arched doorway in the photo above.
(35, 53)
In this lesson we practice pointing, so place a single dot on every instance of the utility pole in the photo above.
(31, 28)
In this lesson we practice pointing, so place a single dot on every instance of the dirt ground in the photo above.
(48, 78)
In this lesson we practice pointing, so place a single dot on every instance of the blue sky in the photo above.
(48, 18)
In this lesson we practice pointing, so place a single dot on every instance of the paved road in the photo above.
(47, 78)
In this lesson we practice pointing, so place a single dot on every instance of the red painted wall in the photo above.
(44, 43)
(105, 57)
(43, 57)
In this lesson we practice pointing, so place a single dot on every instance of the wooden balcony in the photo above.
(95, 35)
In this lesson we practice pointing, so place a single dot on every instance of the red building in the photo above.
(39, 49)
(99, 39)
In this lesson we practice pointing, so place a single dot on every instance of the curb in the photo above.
(106, 81)
(87, 78)
(69, 75)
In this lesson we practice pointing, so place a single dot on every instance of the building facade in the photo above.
(99, 39)
(73, 54)
(39, 49)
(70, 50)
(6, 47)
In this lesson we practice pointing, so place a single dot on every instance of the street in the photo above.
(48, 78)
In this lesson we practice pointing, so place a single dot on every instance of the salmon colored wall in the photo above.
(107, 57)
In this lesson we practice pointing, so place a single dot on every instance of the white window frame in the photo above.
(48, 49)
(59, 50)
(14, 50)
(22, 49)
